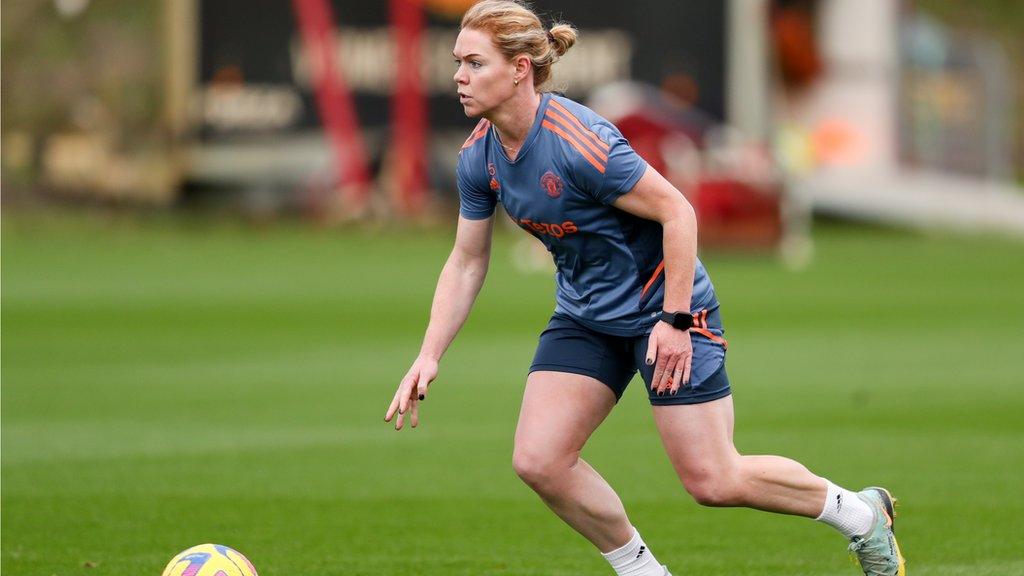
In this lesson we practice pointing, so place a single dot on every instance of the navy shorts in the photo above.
(568, 346)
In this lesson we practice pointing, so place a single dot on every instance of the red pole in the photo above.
(408, 108)
(334, 100)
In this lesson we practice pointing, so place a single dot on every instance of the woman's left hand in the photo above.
(671, 351)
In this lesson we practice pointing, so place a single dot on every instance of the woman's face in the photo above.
(483, 77)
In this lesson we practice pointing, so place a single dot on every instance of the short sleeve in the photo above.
(623, 168)
(476, 201)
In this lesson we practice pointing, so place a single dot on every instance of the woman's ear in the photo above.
(523, 65)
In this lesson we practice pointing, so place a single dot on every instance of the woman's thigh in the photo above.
(560, 411)
(698, 437)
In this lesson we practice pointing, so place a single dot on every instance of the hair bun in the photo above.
(562, 37)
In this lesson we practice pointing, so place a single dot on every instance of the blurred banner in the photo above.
(248, 96)
(253, 47)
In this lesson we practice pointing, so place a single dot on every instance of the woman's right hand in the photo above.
(411, 391)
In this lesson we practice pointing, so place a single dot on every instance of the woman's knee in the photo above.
(538, 469)
(713, 487)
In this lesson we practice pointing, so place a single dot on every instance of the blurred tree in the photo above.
(82, 66)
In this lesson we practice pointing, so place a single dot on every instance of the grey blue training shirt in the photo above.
(571, 167)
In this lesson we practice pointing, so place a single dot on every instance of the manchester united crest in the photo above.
(494, 180)
(552, 184)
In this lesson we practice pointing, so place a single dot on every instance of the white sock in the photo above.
(634, 559)
(846, 512)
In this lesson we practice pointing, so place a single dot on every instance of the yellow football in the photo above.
(210, 560)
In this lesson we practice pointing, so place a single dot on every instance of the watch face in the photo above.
(678, 319)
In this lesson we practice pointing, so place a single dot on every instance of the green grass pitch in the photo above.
(168, 383)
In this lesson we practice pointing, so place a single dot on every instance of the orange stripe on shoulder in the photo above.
(590, 133)
(561, 121)
(579, 147)
(478, 133)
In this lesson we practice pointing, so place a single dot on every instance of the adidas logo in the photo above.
(839, 502)
(641, 552)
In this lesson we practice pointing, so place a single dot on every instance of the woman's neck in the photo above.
(514, 119)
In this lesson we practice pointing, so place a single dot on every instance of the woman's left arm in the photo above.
(655, 198)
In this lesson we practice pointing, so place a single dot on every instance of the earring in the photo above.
(516, 82)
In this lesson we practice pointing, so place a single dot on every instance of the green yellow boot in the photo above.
(877, 550)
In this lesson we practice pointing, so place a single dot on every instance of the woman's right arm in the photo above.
(460, 281)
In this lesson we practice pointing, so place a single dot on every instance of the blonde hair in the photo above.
(515, 30)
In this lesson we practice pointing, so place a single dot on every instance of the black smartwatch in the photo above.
(679, 320)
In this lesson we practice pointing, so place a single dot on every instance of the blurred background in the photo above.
(763, 111)
(222, 223)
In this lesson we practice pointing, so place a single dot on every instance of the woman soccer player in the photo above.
(631, 294)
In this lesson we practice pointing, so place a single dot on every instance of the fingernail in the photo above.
(422, 397)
